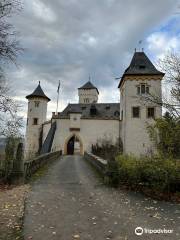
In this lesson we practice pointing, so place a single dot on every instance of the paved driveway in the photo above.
(70, 202)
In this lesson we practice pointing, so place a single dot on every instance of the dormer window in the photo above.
(93, 110)
(142, 66)
(142, 89)
(117, 114)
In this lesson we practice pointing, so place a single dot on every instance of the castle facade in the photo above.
(81, 125)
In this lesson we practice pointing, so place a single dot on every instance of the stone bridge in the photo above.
(70, 202)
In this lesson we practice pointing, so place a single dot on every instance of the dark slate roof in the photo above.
(46, 147)
(103, 110)
(38, 92)
(89, 85)
(141, 65)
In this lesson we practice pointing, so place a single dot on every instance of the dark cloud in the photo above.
(70, 40)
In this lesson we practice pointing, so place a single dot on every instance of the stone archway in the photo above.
(70, 142)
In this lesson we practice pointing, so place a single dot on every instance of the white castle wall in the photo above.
(134, 132)
(90, 132)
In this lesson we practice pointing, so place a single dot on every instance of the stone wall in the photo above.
(31, 166)
(99, 163)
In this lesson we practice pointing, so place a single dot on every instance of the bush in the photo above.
(105, 148)
(155, 173)
(165, 133)
(128, 170)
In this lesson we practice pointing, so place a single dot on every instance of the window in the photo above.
(36, 103)
(138, 90)
(142, 66)
(136, 112)
(143, 89)
(147, 89)
(27, 121)
(86, 100)
(93, 110)
(150, 112)
(35, 121)
(116, 113)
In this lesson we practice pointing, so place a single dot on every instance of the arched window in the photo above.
(36, 103)
(143, 88)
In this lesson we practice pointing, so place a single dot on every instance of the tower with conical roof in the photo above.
(36, 116)
(140, 81)
(88, 93)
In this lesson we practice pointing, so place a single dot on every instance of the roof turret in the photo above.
(89, 85)
(38, 92)
(140, 65)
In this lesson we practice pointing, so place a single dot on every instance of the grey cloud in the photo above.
(81, 38)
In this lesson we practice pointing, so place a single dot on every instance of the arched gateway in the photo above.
(73, 145)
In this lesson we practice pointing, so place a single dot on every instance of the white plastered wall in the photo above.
(33, 131)
(91, 131)
(134, 132)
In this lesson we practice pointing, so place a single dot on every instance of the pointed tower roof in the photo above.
(140, 65)
(38, 92)
(89, 85)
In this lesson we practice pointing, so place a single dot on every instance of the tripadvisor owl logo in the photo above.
(139, 231)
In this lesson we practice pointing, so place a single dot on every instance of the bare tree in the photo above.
(10, 122)
(170, 65)
(9, 50)
(9, 45)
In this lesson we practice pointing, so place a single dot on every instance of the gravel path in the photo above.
(70, 202)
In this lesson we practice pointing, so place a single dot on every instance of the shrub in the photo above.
(128, 170)
(107, 149)
(155, 173)
(165, 133)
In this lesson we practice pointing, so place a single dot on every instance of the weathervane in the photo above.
(140, 44)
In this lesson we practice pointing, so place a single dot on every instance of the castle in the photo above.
(81, 125)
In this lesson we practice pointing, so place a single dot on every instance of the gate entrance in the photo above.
(70, 146)
(73, 145)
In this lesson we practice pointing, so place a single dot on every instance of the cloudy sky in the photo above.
(69, 40)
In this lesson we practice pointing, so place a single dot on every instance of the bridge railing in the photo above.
(99, 163)
(31, 166)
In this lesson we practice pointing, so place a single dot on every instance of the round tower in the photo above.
(36, 116)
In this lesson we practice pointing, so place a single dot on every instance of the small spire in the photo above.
(39, 82)
(142, 49)
(135, 49)
(89, 77)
